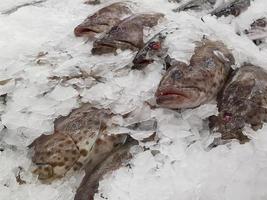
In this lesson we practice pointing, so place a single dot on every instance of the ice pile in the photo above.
(46, 72)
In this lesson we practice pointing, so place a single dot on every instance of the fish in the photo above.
(234, 7)
(258, 31)
(103, 20)
(188, 86)
(154, 49)
(76, 139)
(127, 34)
(114, 160)
(242, 101)
(196, 5)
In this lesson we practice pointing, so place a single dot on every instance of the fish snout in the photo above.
(88, 31)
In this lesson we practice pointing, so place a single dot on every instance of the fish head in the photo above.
(102, 20)
(181, 87)
(234, 8)
(153, 50)
(53, 155)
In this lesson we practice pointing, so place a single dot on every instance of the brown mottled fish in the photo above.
(111, 162)
(234, 7)
(196, 5)
(127, 34)
(188, 86)
(243, 101)
(103, 19)
(153, 50)
(75, 141)
(258, 31)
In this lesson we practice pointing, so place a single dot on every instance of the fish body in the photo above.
(73, 143)
(188, 86)
(243, 101)
(234, 7)
(258, 31)
(127, 34)
(110, 162)
(154, 49)
(196, 5)
(103, 20)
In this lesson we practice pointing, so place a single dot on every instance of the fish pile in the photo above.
(82, 139)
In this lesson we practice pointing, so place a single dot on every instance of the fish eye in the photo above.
(235, 11)
(176, 75)
(154, 45)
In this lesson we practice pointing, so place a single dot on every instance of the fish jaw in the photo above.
(178, 98)
(106, 46)
(88, 31)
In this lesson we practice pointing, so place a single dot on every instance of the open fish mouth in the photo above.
(111, 47)
(178, 98)
(88, 30)
(84, 31)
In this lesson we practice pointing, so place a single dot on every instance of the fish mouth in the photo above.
(173, 98)
(80, 31)
(104, 47)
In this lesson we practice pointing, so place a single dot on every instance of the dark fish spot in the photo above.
(83, 152)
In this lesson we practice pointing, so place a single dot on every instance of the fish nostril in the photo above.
(176, 75)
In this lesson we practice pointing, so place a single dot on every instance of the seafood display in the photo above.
(147, 78)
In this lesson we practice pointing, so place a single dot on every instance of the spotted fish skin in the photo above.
(188, 86)
(127, 34)
(258, 31)
(110, 162)
(243, 101)
(235, 8)
(75, 139)
(196, 5)
(103, 20)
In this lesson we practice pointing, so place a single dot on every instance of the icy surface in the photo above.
(47, 72)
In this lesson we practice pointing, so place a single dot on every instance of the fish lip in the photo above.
(111, 46)
(176, 91)
(84, 30)
(176, 98)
